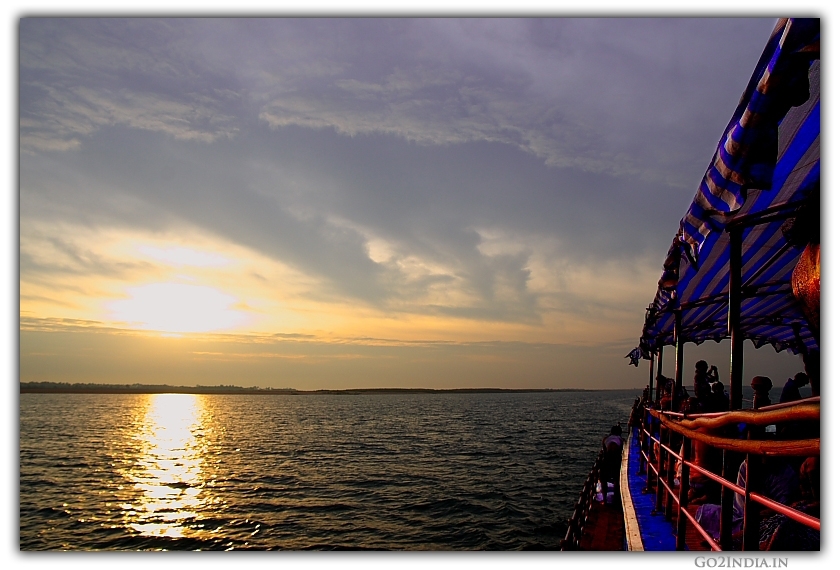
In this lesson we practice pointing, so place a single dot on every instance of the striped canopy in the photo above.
(766, 166)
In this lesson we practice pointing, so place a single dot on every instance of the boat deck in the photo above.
(648, 529)
(604, 530)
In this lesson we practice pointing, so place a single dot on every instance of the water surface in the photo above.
(476, 471)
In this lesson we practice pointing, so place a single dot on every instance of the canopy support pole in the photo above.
(659, 368)
(653, 426)
(651, 393)
(731, 460)
(736, 362)
(678, 371)
(676, 395)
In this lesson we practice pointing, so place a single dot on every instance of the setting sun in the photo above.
(178, 308)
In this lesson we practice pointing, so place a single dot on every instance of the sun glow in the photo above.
(178, 308)
(183, 256)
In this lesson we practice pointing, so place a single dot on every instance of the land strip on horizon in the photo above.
(66, 388)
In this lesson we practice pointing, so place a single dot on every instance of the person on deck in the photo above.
(664, 394)
(611, 466)
(776, 481)
(761, 386)
(778, 532)
(636, 416)
(720, 397)
(794, 429)
(702, 375)
(790, 392)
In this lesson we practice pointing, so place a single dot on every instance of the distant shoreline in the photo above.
(63, 388)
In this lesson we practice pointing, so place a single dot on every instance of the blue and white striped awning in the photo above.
(767, 163)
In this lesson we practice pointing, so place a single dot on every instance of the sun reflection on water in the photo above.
(168, 473)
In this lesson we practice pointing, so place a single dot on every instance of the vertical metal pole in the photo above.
(657, 353)
(660, 468)
(651, 395)
(645, 444)
(676, 391)
(736, 362)
(751, 508)
(659, 431)
(640, 441)
(659, 365)
(736, 373)
(678, 371)
(685, 455)
(753, 474)
(649, 474)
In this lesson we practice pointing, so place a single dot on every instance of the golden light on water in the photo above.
(169, 472)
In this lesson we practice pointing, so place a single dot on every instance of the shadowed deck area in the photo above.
(604, 528)
(631, 523)
(653, 529)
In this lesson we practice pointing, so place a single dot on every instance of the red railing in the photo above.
(660, 470)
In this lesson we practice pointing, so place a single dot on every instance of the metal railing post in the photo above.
(751, 508)
(645, 427)
(649, 485)
(660, 463)
(649, 449)
(685, 455)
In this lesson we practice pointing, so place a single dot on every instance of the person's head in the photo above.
(701, 366)
(615, 430)
(717, 388)
(801, 379)
(761, 383)
(761, 391)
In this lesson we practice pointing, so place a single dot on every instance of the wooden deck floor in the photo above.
(693, 540)
(604, 529)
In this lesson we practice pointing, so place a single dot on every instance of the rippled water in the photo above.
(373, 471)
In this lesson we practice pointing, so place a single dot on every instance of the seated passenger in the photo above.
(778, 482)
(779, 532)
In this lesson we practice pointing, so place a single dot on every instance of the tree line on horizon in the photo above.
(136, 388)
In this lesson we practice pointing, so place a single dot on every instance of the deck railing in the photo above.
(583, 507)
(659, 438)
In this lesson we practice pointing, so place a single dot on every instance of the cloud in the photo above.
(576, 93)
(63, 117)
(584, 94)
(78, 76)
(470, 169)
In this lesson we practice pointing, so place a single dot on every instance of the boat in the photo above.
(744, 265)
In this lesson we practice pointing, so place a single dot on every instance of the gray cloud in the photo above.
(311, 140)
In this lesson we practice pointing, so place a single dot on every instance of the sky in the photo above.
(358, 203)
(416, 203)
